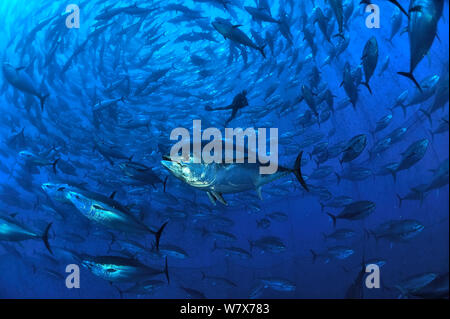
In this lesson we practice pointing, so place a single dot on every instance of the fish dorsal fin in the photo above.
(113, 194)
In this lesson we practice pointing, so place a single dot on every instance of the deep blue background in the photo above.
(428, 252)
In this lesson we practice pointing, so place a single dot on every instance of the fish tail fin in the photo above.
(339, 35)
(427, 114)
(261, 49)
(317, 163)
(166, 271)
(410, 76)
(54, 165)
(165, 183)
(400, 200)
(338, 178)
(404, 109)
(42, 99)
(322, 206)
(314, 256)
(158, 235)
(298, 171)
(366, 84)
(333, 218)
(45, 238)
(394, 176)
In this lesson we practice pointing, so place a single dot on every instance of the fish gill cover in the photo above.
(92, 205)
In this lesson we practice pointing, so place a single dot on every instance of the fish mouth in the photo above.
(169, 165)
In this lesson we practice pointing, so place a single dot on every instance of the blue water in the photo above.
(78, 68)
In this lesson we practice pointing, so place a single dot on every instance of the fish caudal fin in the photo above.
(54, 165)
(166, 271)
(45, 238)
(400, 200)
(410, 76)
(338, 178)
(366, 84)
(165, 183)
(298, 171)
(42, 100)
(261, 49)
(427, 114)
(396, 3)
(339, 35)
(333, 218)
(394, 176)
(322, 206)
(158, 235)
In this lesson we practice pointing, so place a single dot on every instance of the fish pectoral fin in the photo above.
(219, 197)
(211, 198)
